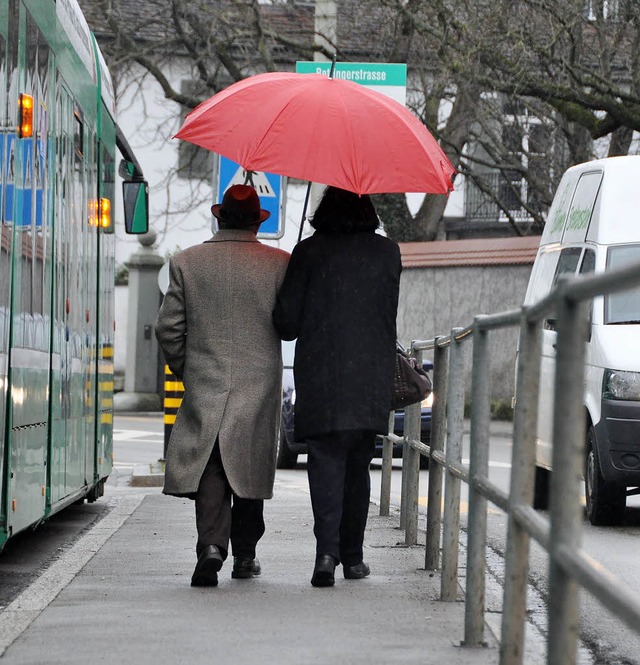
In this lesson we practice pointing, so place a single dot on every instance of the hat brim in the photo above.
(264, 214)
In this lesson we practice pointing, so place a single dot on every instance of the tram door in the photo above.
(68, 453)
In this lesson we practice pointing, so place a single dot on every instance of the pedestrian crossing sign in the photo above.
(269, 187)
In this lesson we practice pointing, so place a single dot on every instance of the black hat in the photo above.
(240, 204)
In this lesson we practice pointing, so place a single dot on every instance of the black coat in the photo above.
(339, 299)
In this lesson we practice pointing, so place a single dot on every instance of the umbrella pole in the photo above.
(306, 198)
(304, 211)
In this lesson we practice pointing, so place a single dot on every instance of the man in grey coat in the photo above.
(217, 335)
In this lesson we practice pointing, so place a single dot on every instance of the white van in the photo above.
(594, 225)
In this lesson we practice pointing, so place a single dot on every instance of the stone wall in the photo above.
(436, 298)
(436, 294)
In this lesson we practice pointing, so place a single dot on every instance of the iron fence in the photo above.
(570, 568)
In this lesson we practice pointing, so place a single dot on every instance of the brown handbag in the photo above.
(411, 384)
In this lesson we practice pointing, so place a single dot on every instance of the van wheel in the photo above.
(541, 489)
(605, 502)
(286, 458)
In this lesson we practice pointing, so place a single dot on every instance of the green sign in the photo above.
(389, 79)
(367, 73)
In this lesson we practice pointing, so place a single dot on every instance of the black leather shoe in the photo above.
(206, 570)
(324, 571)
(356, 572)
(244, 568)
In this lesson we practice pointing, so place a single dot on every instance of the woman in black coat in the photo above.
(339, 299)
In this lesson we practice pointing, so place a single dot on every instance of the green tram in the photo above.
(58, 139)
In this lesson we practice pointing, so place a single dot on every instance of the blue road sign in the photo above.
(268, 186)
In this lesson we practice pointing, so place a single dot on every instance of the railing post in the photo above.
(438, 433)
(404, 479)
(387, 468)
(567, 460)
(478, 468)
(521, 492)
(455, 427)
(412, 465)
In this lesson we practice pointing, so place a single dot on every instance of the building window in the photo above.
(517, 187)
(595, 9)
(528, 143)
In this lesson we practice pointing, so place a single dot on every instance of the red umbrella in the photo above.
(323, 130)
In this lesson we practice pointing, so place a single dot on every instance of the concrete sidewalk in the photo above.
(129, 601)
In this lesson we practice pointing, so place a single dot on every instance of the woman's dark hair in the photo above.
(346, 212)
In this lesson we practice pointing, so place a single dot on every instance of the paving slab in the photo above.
(130, 600)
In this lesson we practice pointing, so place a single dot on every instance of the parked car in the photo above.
(289, 448)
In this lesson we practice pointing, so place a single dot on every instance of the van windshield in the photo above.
(623, 307)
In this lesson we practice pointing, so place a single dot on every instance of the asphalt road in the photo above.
(609, 641)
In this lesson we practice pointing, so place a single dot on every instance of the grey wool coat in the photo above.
(217, 335)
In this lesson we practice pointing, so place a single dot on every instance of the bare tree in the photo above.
(514, 92)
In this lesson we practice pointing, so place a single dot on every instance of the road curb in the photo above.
(148, 475)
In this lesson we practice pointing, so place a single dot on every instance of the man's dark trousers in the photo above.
(222, 516)
(340, 486)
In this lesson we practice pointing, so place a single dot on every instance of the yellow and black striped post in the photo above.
(173, 393)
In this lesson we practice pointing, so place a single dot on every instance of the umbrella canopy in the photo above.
(323, 130)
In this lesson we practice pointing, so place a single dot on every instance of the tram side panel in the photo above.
(5, 258)
(49, 275)
(57, 262)
(29, 328)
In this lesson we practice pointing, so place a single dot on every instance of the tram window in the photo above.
(78, 135)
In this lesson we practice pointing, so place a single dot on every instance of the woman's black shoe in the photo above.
(244, 568)
(324, 571)
(357, 572)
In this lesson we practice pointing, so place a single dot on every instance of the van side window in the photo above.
(541, 276)
(567, 265)
(587, 266)
(582, 206)
(588, 262)
(622, 307)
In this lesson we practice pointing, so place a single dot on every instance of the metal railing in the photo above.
(570, 568)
